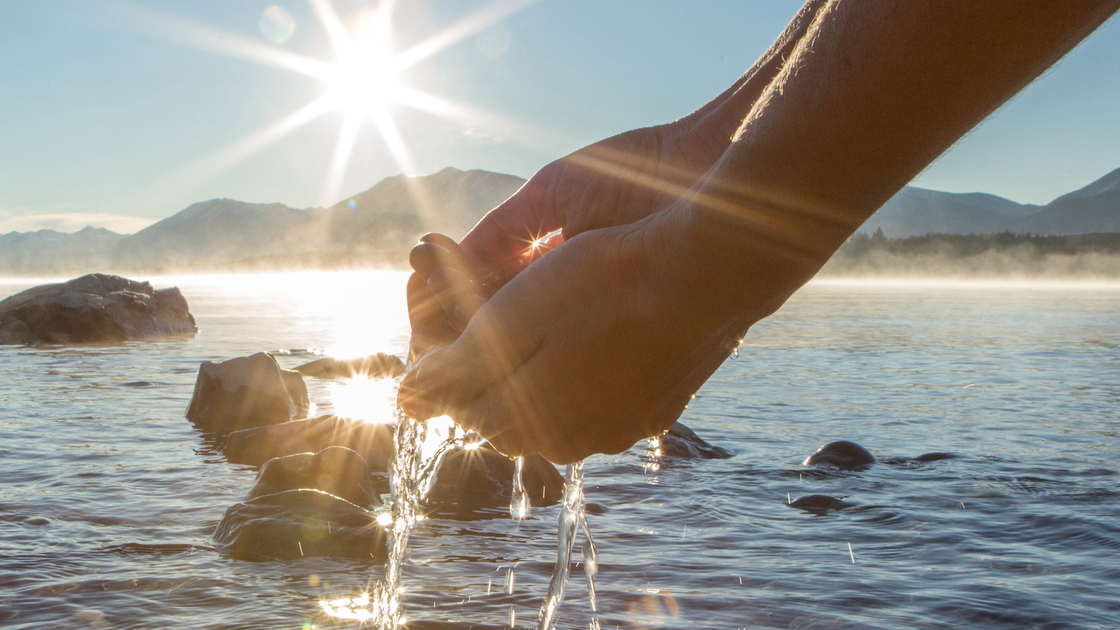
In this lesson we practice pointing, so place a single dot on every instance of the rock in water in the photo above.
(682, 442)
(245, 392)
(378, 365)
(334, 470)
(843, 454)
(96, 308)
(819, 503)
(374, 442)
(475, 478)
(298, 523)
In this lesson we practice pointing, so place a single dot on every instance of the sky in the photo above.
(118, 114)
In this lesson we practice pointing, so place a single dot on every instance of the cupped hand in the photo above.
(598, 344)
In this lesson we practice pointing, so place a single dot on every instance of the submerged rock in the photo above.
(96, 308)
(254, 447)
(245, 392)
(843, 454)
(682, 442)
(819, 503)
(298, 523)
(378, 365)
(334, 470)
(475, 478)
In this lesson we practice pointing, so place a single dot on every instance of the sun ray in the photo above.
(166, 27)
(457, 32)
(328, 18)
(341, 158)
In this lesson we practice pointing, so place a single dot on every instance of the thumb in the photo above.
(499, 339)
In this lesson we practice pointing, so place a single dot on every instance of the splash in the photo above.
(420, 449)
(519, 501)
(572, 515)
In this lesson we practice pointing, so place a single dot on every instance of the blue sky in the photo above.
(118, 114)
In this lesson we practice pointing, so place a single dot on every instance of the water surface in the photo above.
(108, 496)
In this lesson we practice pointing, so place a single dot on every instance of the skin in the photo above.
(600, 336)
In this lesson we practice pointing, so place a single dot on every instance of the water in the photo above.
(108, 496)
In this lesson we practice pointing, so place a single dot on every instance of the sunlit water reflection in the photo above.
(108, 496)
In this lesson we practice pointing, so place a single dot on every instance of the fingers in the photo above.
(426, 316)
(505, 234)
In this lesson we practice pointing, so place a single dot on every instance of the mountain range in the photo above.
(380, 225)
(917, 211)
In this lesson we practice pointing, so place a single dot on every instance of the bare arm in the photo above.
(604, 340)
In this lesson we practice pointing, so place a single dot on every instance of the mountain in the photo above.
(1094, 208)
(48, 251)
(393, 214)
(211, 232)
(917, 211)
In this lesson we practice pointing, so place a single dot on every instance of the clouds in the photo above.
(13, 221)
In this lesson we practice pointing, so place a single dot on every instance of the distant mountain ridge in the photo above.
(380, 225)
(915, 211)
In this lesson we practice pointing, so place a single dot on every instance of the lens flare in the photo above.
(277, 25)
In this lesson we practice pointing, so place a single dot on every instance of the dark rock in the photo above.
(682, 442)
(378, 365)
(298, 523)
(934, 457)
(335, 470)
(96, 308)
(819, 503)
(245, 392)
(474, 478)
(843, 455)
(254, 447)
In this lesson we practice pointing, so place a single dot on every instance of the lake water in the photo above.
(108, 495)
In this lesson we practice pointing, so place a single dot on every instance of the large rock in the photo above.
(475, 478)
(245, 392)
(334, 470)
(378, 365)
(298, 523)
(841, 454)
(96, 308)
(374, 442)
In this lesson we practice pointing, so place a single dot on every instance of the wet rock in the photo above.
(299, 523)
(378, 365)
(471, 479)
(335, 470)
(254, 447)
(819, 503)
(843, 455)
(96, 308)
(934, 457)
(245, 392)
(682, 442)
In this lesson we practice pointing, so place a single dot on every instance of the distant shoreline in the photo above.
(1004, 256)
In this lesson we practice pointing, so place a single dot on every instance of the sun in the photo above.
(365, 78)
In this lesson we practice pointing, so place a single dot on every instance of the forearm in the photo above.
(871, 95)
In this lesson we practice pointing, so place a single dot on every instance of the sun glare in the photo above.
(363, 82)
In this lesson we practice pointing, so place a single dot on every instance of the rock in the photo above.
(934, 457)
(245, 392)
(374, 442)
(682, 442)
(378, 365)
(475, 478)
(96, 308)
(819, 503)
(843, 455)
(298, 523)
(335, 470)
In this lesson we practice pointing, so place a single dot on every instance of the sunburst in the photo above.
(364, 82)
